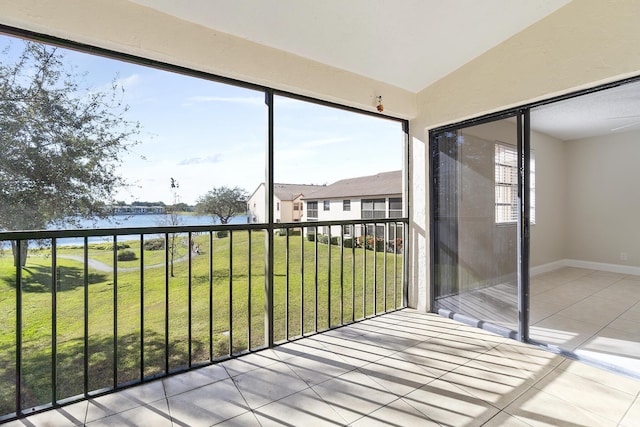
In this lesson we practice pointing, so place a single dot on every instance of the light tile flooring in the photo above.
(401, 369)
(595, 314)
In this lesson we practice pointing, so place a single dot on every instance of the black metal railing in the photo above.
(87, 312)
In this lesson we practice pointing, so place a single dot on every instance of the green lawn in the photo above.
(238, 298)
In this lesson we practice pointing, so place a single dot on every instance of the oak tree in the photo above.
(60, 142)
(223, 203)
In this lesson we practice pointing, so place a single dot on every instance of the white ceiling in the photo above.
(615, 110)
(406, 43)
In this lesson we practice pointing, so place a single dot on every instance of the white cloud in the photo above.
(127, 82)
(214, 158)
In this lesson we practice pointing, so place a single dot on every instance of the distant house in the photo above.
(365, 197)
(137, 210)
(287, 202)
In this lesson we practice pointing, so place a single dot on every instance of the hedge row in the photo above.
(368, 242)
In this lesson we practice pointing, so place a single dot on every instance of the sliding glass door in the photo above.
(478, 233)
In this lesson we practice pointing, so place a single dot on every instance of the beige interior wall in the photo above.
(603, 215)
(481, 237)
(586, 207)
(130, 28)
(548, 234)
(487, 252)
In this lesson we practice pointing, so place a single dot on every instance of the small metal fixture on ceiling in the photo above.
(380, 107)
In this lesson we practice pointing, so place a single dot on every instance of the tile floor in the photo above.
(594, 314)
(401, 369)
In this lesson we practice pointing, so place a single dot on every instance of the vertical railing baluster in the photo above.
(86, 316)
(302, 234)
(249, 296)
(364, 272)
(384, 267)
(166, 303)
(18, 255)
(54, 325)
(329, 280)
(230, 292)
(115, 311)
(375, 268)
(395, 265)
(189, 297)
(286, 301)
(405, 265)
(141, 307)
(341, 275)
(211, 325)
(315, 280)
(353, 273)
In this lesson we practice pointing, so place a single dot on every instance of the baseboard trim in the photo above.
(601, 266)
(546, 268)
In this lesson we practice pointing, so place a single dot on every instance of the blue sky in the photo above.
(207, 134)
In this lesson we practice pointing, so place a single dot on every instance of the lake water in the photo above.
(124, 221)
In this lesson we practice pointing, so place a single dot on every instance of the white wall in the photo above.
(257, 205)
(603, 217)
(336, 213)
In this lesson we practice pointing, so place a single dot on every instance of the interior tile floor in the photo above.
(594, 314)
(401, 369)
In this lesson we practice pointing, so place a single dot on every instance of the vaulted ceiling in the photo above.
(407, 43)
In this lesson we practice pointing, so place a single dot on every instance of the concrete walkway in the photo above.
(106, 268)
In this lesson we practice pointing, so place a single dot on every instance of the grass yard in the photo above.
(303, 295)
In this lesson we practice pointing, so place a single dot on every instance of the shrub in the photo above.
(379, 244)
(368, 243)
(323, 238)
(292, 232)
(348, 242)
(311, 237)
(222, 234)
(395, 245)
(156, 244)
(109, 246)
(126, 255)
(335, 241)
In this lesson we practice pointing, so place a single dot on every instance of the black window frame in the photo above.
(312, 208)
(395, 207)
(373, 213)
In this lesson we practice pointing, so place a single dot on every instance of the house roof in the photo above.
(292, 191)
(384, 183)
